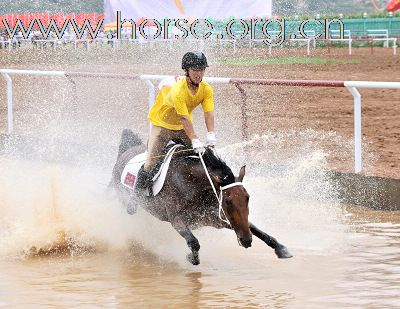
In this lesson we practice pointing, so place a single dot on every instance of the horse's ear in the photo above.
(216, 178)
(242, 173)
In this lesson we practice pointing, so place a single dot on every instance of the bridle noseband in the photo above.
(220, 209)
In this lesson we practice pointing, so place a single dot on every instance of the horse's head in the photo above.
(235, 204)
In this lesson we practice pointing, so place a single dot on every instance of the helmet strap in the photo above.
(190, 80)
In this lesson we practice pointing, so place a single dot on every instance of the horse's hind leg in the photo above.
(191, 241)
(280, 250)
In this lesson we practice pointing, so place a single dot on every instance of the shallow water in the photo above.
(344, 257)
(363, 273)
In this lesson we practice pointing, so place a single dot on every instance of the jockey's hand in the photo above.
(211, 139)
(198, 146)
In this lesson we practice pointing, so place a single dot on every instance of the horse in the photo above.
(189, 198)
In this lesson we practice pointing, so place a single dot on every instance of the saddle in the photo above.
(129, 176)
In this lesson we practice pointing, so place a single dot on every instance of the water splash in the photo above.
(51, 208)
(289, 188)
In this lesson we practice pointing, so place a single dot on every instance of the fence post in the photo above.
(350, 42)
(357, 129)
(243, 108)
(10, 116)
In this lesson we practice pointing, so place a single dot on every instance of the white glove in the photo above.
(211, 140)
(197, 146)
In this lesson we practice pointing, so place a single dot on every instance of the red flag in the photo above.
(58, 18)
(44, 18)
(91, 17)
(30, 17)
(13, 20)
(393, 5)
(21, 17)
(27, 20)
(1, 21)
(70, 16)
(79, 19)
(10, 19)
(100, 17)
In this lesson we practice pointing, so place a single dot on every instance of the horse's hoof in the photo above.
(193, 258)
(283, 252)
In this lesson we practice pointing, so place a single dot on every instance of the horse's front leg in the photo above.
(191, 241)
(280, 250)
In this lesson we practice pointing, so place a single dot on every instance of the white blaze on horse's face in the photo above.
(235, 202)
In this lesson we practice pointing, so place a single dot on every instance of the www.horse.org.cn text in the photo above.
(270, 31)
(273, 32)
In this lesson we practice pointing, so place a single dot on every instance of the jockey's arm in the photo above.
(188, 127)
(209, 119)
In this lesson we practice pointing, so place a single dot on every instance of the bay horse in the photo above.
(189, 198)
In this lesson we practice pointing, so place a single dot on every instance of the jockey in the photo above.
(171, 115)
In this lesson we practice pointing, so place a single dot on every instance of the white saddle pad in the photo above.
(131, 169)
(129, 174)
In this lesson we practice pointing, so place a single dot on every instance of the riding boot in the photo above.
(144, 182)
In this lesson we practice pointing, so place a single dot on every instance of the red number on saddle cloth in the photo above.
(129, 180)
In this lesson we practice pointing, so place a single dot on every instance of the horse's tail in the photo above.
(128, 140)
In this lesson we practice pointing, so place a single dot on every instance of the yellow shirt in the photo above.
(178, 100)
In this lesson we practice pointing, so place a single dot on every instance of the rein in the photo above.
(219, 197)
(164, 155)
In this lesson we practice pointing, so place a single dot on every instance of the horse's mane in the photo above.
(214, 163)
(218, 167)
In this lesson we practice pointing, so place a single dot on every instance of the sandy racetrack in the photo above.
(105, 107)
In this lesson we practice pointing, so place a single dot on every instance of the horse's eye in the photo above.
(228, 200)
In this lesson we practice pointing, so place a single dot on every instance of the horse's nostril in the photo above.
(246, 242)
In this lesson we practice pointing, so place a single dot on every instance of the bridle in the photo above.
(219, 197)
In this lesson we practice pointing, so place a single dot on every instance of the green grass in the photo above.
(283, 61)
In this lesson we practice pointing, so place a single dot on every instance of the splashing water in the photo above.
(289, 188)
(47, 208)
(44, 206)
(50, 209)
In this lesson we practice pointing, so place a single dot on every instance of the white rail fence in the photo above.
(237, 82)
